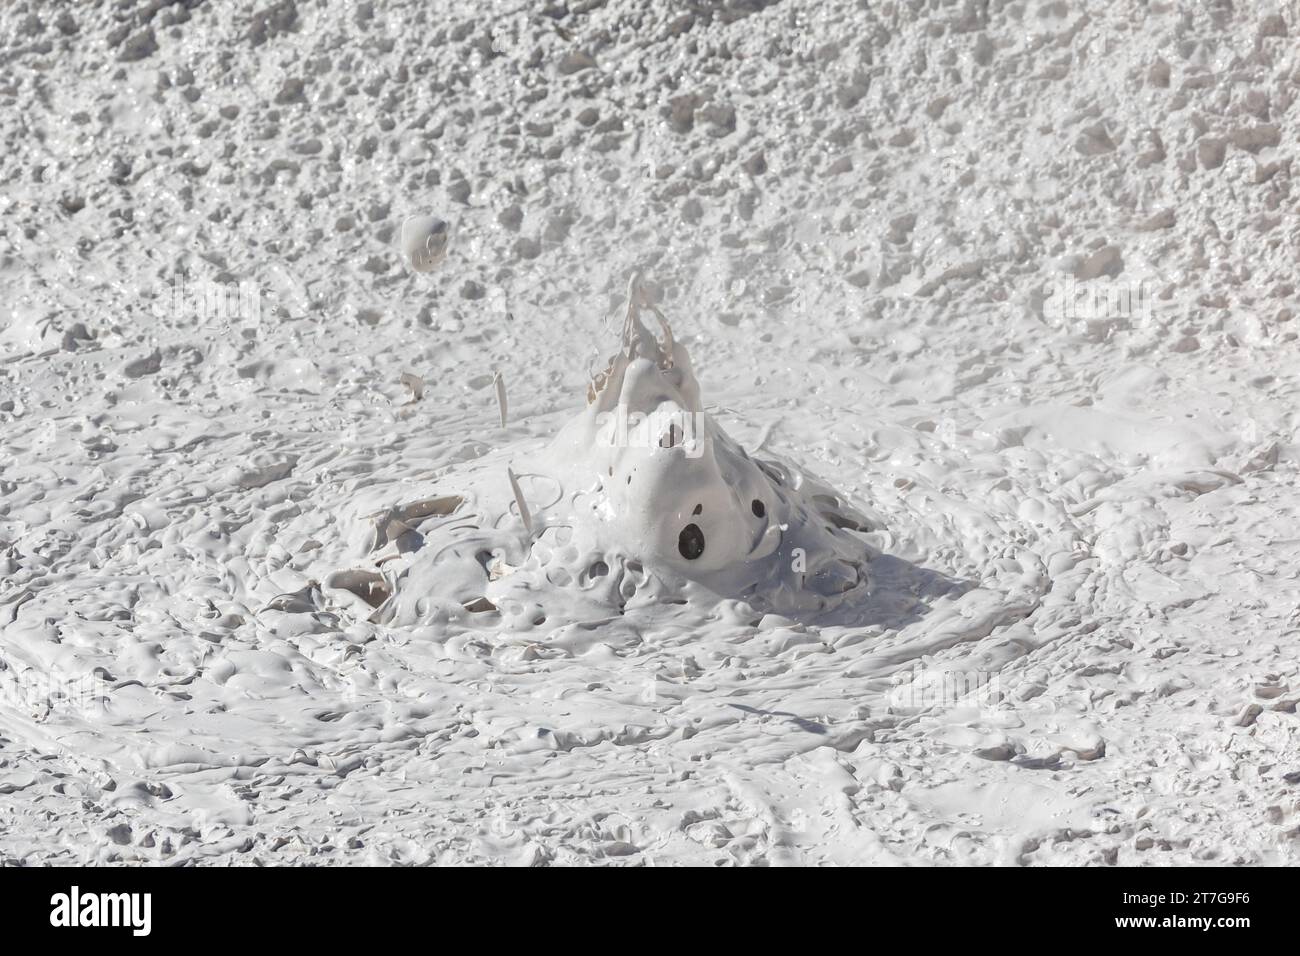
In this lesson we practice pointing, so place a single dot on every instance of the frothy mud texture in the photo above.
(978, 546)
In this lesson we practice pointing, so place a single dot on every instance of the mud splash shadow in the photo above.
(897, 593)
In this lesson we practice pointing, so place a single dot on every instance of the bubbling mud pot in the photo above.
(658, 513)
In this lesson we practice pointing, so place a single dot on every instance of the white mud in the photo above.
(1004, 294)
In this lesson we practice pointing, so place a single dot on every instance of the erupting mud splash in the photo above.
(641, 497)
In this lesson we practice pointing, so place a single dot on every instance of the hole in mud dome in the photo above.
(758, 508)
(539, 620)
(691, 542)
(699, 509)
(479, 605)
(598, 570)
